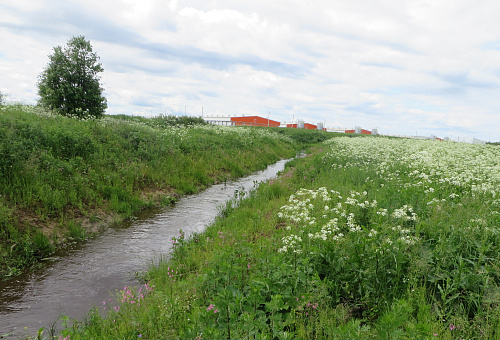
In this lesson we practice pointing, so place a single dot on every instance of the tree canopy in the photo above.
(70, 83)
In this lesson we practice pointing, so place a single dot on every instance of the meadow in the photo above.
(63, 179)
(365, 238)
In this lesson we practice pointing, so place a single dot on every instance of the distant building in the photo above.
(310, 126)
(302, 125)
(261, 121)
(356, 130)
(338, 130)
(359, 131)
(254, 121)
(218, 120)
(470, 140)
(240, 120)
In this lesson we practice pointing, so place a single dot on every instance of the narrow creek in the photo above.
(77, 279)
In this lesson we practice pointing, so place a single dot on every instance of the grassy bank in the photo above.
(62, 179)
(367, 238)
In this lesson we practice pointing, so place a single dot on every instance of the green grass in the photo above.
(371, 238)
(57, 173)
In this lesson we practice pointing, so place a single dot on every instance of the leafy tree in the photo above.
(70, 84)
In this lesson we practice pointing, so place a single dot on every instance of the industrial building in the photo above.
(303, 125)
(254, 121)
(262, 121)
(300, 124)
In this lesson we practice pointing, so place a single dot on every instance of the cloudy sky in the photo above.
(405, 67)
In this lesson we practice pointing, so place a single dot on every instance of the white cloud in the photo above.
(399, 66)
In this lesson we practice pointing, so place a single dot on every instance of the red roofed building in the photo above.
(254, 121)
(363, 131)
(306, 126)
(310, 126)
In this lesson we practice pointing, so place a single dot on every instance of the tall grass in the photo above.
(58, 175)
(371, 238)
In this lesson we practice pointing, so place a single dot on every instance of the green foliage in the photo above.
(57, 170)
(370, 239)
(306, 136)
(76, 232)
(165, 121)
(70, 83)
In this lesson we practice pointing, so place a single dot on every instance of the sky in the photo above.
(420, 67)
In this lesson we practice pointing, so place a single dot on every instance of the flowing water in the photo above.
(78, 278)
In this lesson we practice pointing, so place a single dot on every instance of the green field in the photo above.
(366, 238)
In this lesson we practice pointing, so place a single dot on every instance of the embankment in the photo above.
(62, 179)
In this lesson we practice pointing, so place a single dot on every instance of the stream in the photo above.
(81, 277)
